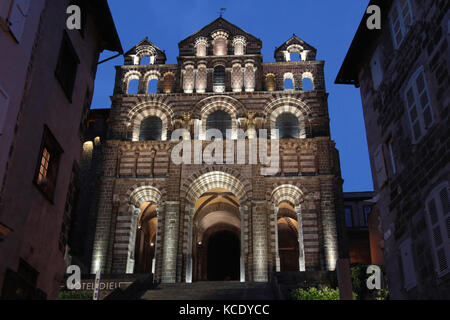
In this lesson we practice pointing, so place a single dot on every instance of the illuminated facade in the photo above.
(221, 221)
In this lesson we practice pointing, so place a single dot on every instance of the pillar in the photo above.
(169, 263)
(242, 210)
(277, 251)
(259, 230)
(329, 224)
(132, 239)
(301, 247)
(159, 211)
(189, 264)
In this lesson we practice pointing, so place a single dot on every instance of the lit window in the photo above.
(47, 167)
(401, 19)
(44, 167)
(438, 209)
(419, 105)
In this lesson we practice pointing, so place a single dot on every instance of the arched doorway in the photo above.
(223, 254)
(288, 244)
(216, 237)
(147, 225)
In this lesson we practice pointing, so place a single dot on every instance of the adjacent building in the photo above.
(403, 74)
(230, 217)
(362, 225)
(46, 85)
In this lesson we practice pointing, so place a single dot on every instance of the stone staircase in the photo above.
(211, 290)
(215, 290)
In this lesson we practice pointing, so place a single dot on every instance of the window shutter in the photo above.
(409, 273)
(4, 101)
(380, 168)
(439, 226)
(17, 17)
(377, 71)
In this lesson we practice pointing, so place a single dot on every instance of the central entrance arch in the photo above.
(217, 233)
(214, 244)
(223, 255)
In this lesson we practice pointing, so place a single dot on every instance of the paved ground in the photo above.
(211, 291)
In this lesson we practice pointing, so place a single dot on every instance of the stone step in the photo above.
(210, 291)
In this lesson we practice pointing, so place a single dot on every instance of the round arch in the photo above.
(291, 105)
(127, 77)
(146, 109)
(213, 180)
(287, 192)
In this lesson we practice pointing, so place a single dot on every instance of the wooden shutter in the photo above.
(439, 228)
(409, 273)
(17, 17)
(380, 168)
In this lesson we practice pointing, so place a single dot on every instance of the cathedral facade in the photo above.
(229, 217)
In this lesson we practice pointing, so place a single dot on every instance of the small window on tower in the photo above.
(288, 84)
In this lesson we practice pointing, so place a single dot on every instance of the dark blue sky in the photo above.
(328, 25)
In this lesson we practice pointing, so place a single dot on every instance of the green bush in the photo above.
(75, 295)
(316, 294)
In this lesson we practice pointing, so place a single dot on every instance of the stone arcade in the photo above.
(201, 222)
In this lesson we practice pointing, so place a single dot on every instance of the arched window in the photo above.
(133, 86)
(288, 126)
(219, 120)
(295, 56)
(288, 84)
(152, 86)
(151, 129)
(145, 60)
(307, 84)
(219, 76)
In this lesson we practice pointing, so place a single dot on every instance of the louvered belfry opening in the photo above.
(219, 120)
(288, 126)
(151, 129)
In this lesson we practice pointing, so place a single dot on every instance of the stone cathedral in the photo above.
(225, 220)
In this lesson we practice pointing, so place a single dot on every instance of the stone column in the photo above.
(259, 229)
(159, 211)
(250, 76)
(103, 226)
(132, 239)
(169, 262)
(277, 251)
(201, 80)
(237, 77)
(301, 247)
(188, 78)
(189, 266)
(242, 210)
(329, 224)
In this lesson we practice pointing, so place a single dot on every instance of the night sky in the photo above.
(328, 25)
